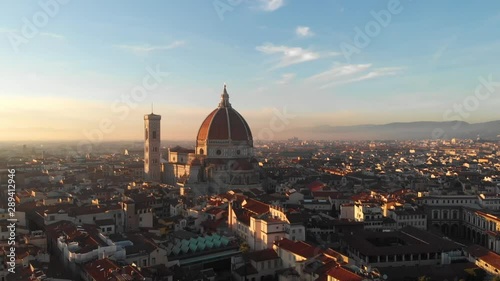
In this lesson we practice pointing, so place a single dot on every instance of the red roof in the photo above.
(316, 186)
(485, 255)
(298, 247)
(224, 123)
(263, 255)
(256, 207)
(214, 211)
(343, 274)
(100, 269)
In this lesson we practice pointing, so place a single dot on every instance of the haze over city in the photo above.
(77, 68)
(249, 140)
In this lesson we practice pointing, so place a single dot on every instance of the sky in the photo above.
(72, 70)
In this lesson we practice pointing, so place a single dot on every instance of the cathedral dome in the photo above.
(224, 124)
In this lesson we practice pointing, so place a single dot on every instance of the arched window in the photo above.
(435, 214)
(445, 215)
(202, 151)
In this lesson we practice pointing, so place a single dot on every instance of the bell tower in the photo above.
(152, 152)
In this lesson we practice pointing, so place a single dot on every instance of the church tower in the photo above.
(152, 152)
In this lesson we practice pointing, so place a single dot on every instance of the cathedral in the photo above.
(223, 157)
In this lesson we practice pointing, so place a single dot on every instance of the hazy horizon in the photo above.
(283, 136)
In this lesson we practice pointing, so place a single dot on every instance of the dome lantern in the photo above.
(224, 98)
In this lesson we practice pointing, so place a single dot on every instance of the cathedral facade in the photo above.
(223, 157)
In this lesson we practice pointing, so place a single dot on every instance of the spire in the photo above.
(224, 98)
(151, 108)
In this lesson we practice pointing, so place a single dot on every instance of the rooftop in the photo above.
(408, 240)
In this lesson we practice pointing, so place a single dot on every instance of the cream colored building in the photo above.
(261, 225)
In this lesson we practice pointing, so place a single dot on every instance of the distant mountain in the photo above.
(405, 131)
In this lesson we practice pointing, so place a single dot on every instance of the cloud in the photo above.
(145, 49)
(339, 71)
(345, 74)
(52, 35)
(286, 78)
(303, 31)
(44, 34)
(271, 5)
(289, 55)
(379, 72)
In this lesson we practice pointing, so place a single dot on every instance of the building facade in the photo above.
(223, 157)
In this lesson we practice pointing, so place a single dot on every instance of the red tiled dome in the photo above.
(224, 123)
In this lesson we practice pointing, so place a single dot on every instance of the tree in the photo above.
(475, 274)
(424, 278)
(244, 248)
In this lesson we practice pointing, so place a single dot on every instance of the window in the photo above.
(218, 152)
(154, 134)
(153, 261)
(435, 215)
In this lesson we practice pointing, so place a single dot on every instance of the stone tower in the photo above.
(152, 152)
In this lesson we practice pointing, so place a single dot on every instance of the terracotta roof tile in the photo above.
(263, 255)
(298, 247)
(343, 274)
(224, 123)
(256, 207)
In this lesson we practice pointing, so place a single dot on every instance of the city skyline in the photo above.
(73, 72)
